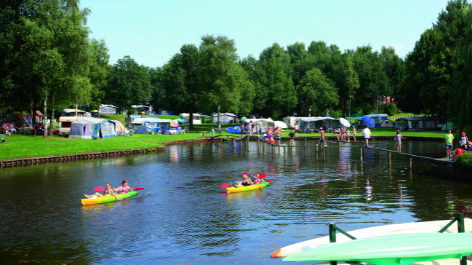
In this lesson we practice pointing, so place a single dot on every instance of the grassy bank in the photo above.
(29, 146)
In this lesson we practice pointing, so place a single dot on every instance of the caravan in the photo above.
(290, 121)
(261, 125)
(224, 118)
(197, 119)
(309, 123)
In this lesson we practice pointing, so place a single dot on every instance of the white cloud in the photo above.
(397, 46)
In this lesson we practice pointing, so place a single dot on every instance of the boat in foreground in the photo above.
(108, 198)
(247, 188)
(392, 229)
(392, 249)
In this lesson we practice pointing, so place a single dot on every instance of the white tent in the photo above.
(280, 124)
(196, 118)
(261, 124)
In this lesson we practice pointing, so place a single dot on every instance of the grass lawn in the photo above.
(29, 146)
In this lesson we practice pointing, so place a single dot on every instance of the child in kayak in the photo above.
(258, 180)
(124, 188)
(107, 192)
(246, 181)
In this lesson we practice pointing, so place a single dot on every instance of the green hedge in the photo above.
(464, 161)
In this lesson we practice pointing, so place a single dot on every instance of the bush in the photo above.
(468, 131)
(464, 161)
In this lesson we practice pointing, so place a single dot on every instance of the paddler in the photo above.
(107, 192)
(246, 181)
(258, 180)
(124, 188)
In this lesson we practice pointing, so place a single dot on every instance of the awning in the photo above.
(39, 113)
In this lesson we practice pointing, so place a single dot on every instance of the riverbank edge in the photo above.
(44, 160)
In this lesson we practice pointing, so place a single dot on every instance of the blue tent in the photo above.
(144, 130)
(103, 128)
(236, 129)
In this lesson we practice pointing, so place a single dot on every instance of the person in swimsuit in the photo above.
(258, 180)
(354, 133)
(322, 138)
(107, 192)
(292, 138)
(246, 181)
(277, 135)
(398, 138)
(269, 135)
(297, 127)
(124, 188)
(348, 136)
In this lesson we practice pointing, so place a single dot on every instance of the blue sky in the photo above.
(152, 31)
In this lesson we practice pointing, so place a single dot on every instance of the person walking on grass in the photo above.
(449, 138)
(398, 138)
(367, 135)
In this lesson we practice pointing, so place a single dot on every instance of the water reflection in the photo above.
(183, 217)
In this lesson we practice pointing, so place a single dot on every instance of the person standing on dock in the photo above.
(322, 138)
(354, 133)
(464, 141)
(449, 138)
(398, 138)
(367, 135)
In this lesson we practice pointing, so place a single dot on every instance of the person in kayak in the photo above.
(107, 192)
(124, 188)
(246, 181)
(258, 180)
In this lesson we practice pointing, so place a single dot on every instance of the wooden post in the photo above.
(389, 159)
(305, 146)
(234, 145)
(411, 162)
(285, 157)
(362, 154)
(258, 145)
(273, 151)
(263, 148)
(247, 144)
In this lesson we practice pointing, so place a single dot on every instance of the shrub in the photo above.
(464, 161)
(468, 131)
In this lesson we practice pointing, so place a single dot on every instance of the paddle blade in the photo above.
(224, 186)
(268, 180)
(263, 176)
(138, 188)
(99, 188)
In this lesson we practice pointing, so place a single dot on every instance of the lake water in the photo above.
(183, 217)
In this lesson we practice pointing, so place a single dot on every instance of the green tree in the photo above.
(220, 76)
(256, 75)
(98, 72)
(318, 92)
(460, 97)
(281, 95)
(128, 84)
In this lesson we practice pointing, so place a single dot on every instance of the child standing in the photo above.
(292, 138)
(354, 133)
(464, 141)
(213, 131)
(398, 138)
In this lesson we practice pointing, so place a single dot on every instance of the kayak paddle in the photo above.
(102, 188)
(224, 186)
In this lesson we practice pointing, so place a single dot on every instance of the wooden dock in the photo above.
(438, 160)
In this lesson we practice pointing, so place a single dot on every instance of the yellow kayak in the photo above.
(108, 198)
(247, 188)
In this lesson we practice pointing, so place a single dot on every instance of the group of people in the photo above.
(465, 145)
(9, 128)
(250, 181)
(343, 134)
(109, 191)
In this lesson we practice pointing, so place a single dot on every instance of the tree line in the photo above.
(48, 61)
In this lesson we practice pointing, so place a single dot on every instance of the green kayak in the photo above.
(392, 249)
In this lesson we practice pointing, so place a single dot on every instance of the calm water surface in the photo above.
(182, 216)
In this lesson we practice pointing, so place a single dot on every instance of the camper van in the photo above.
(290, 121)
(196, 117)
(225, 118)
